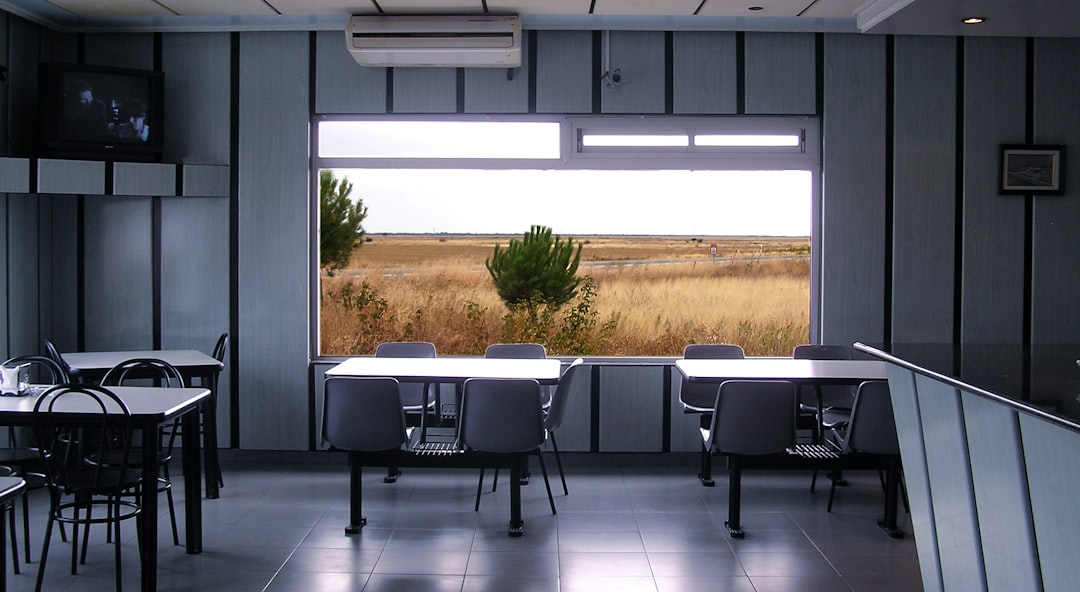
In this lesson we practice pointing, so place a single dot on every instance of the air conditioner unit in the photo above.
(435, 41)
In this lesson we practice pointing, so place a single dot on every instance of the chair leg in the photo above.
(558, 462)
(14, 542)
(479, 487)
(832, 494)
(734, 521)
(116, 525)
(26, 527)
(547, 486)
(44, 553)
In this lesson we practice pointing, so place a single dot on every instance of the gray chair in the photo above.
(699, 398)
(577, 374)
(751, 417)
(502, 416)
(872, 430)
(363, 414)
(417, 400)
(518, 351)
(816, 400)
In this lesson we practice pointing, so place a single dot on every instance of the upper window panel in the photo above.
(439, 139)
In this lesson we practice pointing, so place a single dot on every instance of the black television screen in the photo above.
(100, 112)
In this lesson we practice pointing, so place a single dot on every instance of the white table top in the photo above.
(819, 371)
(104, 360)
(143, 402)
(449, 369)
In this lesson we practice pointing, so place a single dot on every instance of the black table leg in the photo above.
(517, 527)
(892, 489)
(147, 523)
(210, 442)
(356, 496)
(189, 424)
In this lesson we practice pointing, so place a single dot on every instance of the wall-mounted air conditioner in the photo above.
(435, 41)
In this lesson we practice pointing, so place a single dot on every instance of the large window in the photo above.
(691, 230)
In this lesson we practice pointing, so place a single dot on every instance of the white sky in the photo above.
(584, 202)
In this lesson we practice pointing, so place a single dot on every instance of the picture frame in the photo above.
(1032, 169)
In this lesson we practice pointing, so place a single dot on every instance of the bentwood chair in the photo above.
(503, 416)
(163, 374)
(22, 460)
(751, 417)
(81, 493)
(699, 398)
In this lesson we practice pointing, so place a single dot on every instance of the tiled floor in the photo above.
(629, 523)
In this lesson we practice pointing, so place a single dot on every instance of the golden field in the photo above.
(653, 295)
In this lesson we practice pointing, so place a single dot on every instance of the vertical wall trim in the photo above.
(890, 164)
(80, 272)
(740, 73)
(234, 252)
(669, 74)
(597, 72)
(155, 271)
(665, 438)
(1029, 201)
(389, 90)
(594, 409)
(460, 108)
(958, 223)
(532, 71)
(819, 76)
(313, 244)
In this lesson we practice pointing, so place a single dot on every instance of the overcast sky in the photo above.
(583, 202)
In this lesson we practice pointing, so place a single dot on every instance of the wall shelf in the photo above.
(89, 177)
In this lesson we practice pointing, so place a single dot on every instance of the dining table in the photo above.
(193, 365)
(150, 408)
(437, 449)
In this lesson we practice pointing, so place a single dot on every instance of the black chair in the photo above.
(872, 430)
(163, 374)
(77, 488)
(24, 461)
(699, 398)
(503, 416)
(577, 374)
(417, 400)
(54, 354)
(220, 349)
(751, 417)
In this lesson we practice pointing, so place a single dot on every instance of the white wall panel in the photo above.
(780, 73)
(273, 241)
(703, 72)
(499, 90)
(1054, 483)
(425, 90)
(639, 55)
(342, 85)
(198, 87)
(630, 408)
(564, 72)
(924, 190)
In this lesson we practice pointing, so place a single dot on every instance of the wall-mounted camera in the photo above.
(612, 78)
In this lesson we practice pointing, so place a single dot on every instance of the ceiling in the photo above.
(1028, 18)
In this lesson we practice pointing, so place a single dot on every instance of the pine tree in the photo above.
(540, 269)
(340, 219)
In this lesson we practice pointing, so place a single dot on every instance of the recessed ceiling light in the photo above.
(756, 8)
(974, 20)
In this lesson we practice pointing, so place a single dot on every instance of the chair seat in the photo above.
(18, 456)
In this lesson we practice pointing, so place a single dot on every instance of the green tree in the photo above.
(340, 219)
(539, 270)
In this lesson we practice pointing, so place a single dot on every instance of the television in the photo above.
(97, 112)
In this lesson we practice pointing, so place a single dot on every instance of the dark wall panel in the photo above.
(59, 270)
(1056, 247)
(499, 90)
(853, 196)
(924, 190)
(342, 85)
(993, 225)
(703, 72)
(197, 91)
(564, 71)
(425, 90)
(780, 73)
(273, 241)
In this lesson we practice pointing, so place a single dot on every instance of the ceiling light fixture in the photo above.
(974, 20)
(756, 8)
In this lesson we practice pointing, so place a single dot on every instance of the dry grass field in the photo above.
(653, 295)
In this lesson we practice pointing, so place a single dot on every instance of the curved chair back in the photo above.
(700, 397)
(872, 427)
(363, 414)
(42, 370)
(822, 352)
(412, 393)
(517, 351)
(577, 374)
(501, 415)
(220, 347)
(104, 419)
(753, 417)
(54, 354)
(144, 368)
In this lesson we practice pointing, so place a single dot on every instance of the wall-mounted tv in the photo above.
(97, 112)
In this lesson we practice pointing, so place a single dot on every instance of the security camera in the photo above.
(616, 76)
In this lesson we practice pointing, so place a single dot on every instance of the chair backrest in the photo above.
(698, 396)
(831, 395)
(161, 372)
(54, 354)
(577, 374)
(872, 427)
(104, 421)
(501, 415)
(220, 347)
(412, 393)
(42, 369)
(753, 417)
(518, 351)
(363, 414)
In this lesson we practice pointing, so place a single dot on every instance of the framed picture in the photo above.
(1032, 169)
